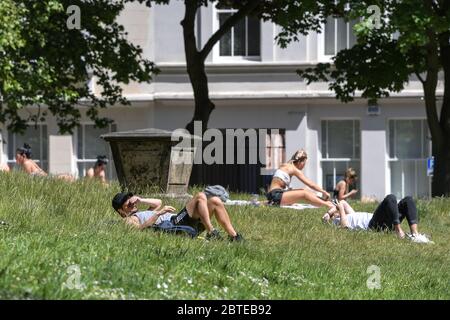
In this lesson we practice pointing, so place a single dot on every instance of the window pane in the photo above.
(341, 34)
(352, 40)
(340, 139)
(357, 154)
(329, 36)
(44, 138)
(391, 138)
(409, 172)
(423, 182)
(396, 179)
(254, 34)
(408, 139)
(225, 41)
(239, 38)
(80, 142)
(426, 140)
(328, 182)
(324, 139)
(94, 145)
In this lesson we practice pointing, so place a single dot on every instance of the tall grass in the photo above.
(63, 241)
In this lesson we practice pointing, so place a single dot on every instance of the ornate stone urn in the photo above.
(148, 158)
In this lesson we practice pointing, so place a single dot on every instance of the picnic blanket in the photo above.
(296, 206)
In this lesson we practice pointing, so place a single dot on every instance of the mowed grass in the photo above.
(64, 241)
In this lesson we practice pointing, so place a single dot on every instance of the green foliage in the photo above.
(384, 58)
(288, 254)
(44, 63)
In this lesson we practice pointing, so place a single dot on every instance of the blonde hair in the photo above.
(299, 156)
(350, 173)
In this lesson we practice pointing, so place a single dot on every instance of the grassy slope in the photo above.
(289, 254)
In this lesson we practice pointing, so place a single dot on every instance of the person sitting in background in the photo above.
(196, 214)
(388, 216)
(341, 192)
(279, 192)
(23, 159)
(98, 171)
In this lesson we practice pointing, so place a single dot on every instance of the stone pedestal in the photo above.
(148, 158)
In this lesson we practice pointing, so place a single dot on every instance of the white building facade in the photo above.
(253, 84)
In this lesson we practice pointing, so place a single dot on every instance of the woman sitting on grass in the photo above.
(387, 217)
(98, 171)
(279, 192)
(196, 214)
(341, 192)
(23, 158)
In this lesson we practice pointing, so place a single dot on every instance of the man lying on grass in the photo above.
(196, 214)
(387, 217)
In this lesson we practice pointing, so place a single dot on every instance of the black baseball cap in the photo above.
(119, 199)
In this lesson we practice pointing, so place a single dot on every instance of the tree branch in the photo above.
(419, 77)
(228, 24)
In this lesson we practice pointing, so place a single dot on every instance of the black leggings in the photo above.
(389, 213)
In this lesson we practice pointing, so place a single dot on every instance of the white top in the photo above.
(357, 220)
(143, 216)
(284, 176)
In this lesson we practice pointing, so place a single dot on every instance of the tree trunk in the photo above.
(195, 64)
(441, 152)
(195, 59)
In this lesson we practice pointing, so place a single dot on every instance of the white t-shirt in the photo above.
(357, 220)
(143, 216)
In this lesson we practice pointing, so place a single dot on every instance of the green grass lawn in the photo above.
(64, 241)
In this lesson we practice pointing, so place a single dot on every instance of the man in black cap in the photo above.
(196, 214)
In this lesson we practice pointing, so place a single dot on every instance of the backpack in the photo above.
(170, 227)
(217, 191)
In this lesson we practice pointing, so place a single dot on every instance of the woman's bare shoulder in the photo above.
(287, 167)
(341, 184)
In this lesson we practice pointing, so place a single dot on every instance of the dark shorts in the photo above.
(183, 219)
(275, 196)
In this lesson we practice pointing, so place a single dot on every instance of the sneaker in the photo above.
(419, 238)
(214, 235)
(236, 238)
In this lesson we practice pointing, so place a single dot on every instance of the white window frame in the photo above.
(321, 41)
(83, 160)
(216, 50)
(324, 153)
(42, 163)
(390, 160)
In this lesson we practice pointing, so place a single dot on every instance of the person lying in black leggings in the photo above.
(388, 216)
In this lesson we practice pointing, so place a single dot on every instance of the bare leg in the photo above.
(413, 228)
(293, 196)
(398, 229)
(216, 207)
(197, 208)
(348, 209)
